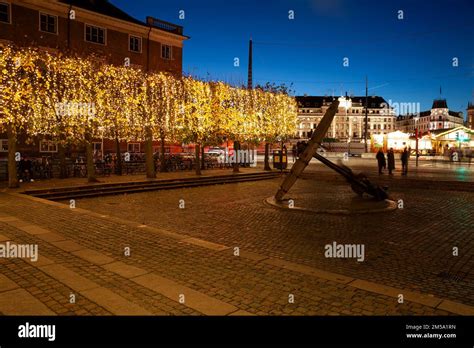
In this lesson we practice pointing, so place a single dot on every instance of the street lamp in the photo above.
(416, 118)
(346, 103)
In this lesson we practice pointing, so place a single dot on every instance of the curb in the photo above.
(392, 205)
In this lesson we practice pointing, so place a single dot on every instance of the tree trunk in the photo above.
(91, 178)
(62, 160)
(197, 151)
(12, 172)
(267, 157)
(237, 159)
(150, 163)
(163, 166)
(203, 162)
(118, 169)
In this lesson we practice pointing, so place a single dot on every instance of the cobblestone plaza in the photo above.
(222, 250)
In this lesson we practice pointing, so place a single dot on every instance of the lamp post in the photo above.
(416, 139)
(366, 114)
(346, 103)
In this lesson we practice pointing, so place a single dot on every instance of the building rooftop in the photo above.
(375, 102)
(428, 113)
(106, 8)
(444, 130)
(439, 104)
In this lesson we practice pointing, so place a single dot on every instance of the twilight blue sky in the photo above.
(405, 60)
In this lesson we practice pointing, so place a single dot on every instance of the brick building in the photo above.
(84, 27)
(93, 26)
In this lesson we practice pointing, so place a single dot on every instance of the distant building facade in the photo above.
(349, 122)
(85, 27)
(439, 117)
(470, 115)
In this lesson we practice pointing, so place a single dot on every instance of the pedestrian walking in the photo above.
(294, 152)
(381, 161)
(391, 161)
(404, 159)
(469, 155)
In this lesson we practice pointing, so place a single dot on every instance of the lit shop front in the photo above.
(458, 138)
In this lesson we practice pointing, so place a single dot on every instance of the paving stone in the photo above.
(113, 302)
(51, 237)
(68, 277)
(93, 256)
(68, 245)
(20, 302)
(33, 229)
(7, 284)
(193, 299)
(124, 270)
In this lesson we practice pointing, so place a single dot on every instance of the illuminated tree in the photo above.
(84, 119)
(197, 121)
(117, 105)
(54, 94)
(16, 114)
(277, 115)
(162, 101)
(74, 100)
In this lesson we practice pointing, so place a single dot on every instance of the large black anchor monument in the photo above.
(359, 183)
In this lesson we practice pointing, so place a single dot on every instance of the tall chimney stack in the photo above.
(250, 75)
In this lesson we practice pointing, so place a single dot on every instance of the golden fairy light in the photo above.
(70, 99)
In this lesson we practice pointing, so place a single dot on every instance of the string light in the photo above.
(71, 100)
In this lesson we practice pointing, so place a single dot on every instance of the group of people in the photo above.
(28, 169)
(389, 163)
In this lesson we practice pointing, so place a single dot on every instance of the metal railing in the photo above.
(163, 25)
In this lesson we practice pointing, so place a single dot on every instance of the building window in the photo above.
(48, 23)
(3, 145)
(48, 146)
(166, 52)
(4, 12)
(133, 147)
(95, 34)
(135, 44)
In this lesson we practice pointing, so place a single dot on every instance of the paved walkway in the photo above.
(142, 254)
(83, 253)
